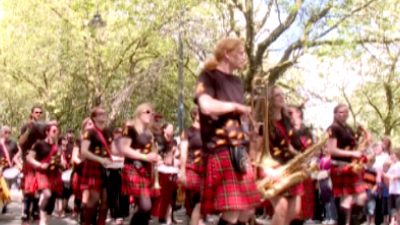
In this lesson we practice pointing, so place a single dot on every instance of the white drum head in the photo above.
(168, 169)
(66, 175)
(11, 173)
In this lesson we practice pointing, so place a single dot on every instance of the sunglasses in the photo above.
(38, 112)
(54, 131)
(7, 132)
(148, 112)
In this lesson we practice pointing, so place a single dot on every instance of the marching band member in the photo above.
(117, 202)
(26, 140)
(95, 150)
(43, 157)
(166, 148)
(282, 139)
(347, 184)
(229, 186)
(191, 171)
(138, 172)
(301, 139)
(76, 161)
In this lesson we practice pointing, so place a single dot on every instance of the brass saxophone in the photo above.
(156, 184)
(295, 170)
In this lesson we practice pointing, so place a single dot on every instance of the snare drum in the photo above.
(66, 177)
(11, 173)
(168, 169)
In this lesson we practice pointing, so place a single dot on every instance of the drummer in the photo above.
(44, 158)
(9, 156)
(168, 178)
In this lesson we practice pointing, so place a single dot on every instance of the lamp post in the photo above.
(181, 108)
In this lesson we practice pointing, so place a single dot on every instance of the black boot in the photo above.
(223, 222)
(27, 202)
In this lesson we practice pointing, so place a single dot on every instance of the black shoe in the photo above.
(4, 210)
(25, 218)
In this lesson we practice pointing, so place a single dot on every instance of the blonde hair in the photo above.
(223, 46)
(136, 123)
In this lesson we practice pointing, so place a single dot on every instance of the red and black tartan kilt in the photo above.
(29, 181)
(346, 182)
(93, 176)
(75, 182)
(138, 182)
(194, 177)
(307, 199)
(50, 180)
(225, 190)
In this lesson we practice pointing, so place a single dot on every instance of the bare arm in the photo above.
(331, 147)
(184, 145)
(129, 152)
(86, 154)
(31, 159)
(75, 156)
(213, 107)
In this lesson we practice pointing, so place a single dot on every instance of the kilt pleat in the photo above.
(138, 182)
(225, 190)
(93, 176)
(346, 182)
(50, 180)
(307, 199)
(193, 179)
(29, 181)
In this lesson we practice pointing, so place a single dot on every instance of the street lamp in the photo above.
(97, 21)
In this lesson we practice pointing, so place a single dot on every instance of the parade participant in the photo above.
(95, 150)
(43, 157)
(282, 140)
(191, 171)
(138, 172)
(28, 136)
(118, 203)
(9, 157)
(228, 187)
(301, 139)
(347, 184)
(65, 149)
(166, 148)
(76, 161)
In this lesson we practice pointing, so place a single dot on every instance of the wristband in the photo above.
(145, 157)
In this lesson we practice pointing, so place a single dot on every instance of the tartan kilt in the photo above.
(138, 182)
(50, 180)
(29, 181)
(307, 199)
(93, 176)
(75, 184)
(225, 190)
(346, 182)
(193, 179)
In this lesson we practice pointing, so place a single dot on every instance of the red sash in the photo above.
(5, 150)
(103, 141)
(52, 152)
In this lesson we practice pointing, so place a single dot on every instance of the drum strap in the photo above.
(52, 152)
(103, 141)
(5, 150)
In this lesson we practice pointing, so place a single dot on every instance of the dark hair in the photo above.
(299, 108)
(97, 111)
(194, 112)
(61, 138)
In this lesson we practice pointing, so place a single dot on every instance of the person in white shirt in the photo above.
(393, 175)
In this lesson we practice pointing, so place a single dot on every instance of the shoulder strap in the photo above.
(5, 150)
(103, 141)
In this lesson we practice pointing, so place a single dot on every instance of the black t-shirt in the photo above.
(193, 136)
(280, 137)
(36, 132)
(12, 149)
(301, 138)
(225, 129)
(344, 135)
(142, 141)
(96, 145)
(42, 150)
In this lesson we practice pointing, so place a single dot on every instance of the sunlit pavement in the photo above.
(14, 214)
